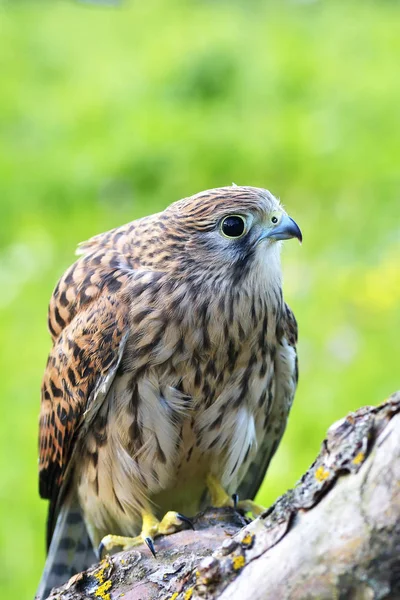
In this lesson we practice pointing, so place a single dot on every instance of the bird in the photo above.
(171, 375)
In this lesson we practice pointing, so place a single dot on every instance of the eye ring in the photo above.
(233, 227)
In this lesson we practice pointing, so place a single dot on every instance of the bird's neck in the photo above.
(219, 303)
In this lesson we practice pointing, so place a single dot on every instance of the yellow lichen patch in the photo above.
(321, 474)
(188, 594)
(248, 540)
(357, 460)
(100, 573)
(238, 562)
(102, 590)
(174, 596)
(105, 584)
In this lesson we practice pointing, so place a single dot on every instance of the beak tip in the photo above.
(296, 231)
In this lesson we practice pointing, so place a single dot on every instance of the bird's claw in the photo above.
(100, 550)
(185, 520)
(152, 528)
(150, 544)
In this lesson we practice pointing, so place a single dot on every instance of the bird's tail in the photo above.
(70, 550)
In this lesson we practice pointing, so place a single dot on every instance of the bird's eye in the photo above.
(233, 226)
(275, 218)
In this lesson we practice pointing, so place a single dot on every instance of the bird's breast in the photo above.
(166, 428)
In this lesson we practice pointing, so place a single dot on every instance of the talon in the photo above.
(100, 550)
(235, 499)
(185, 520)
(150, 545)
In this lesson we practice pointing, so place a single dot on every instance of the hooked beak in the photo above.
(286, 229)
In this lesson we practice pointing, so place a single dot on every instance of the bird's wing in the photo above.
(286, 377)
(88, 320)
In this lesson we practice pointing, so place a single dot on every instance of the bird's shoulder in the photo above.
(106, 262)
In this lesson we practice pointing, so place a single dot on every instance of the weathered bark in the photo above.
(335, 535)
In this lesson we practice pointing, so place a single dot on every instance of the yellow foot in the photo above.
(219, 498)
(248, 506)
(151, 528)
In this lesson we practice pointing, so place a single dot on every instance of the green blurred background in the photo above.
(111, 113)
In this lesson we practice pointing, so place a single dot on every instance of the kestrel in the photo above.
(171, 376)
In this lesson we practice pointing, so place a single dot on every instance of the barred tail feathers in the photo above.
(70, 550)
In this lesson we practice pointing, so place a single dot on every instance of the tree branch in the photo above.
(335, 535)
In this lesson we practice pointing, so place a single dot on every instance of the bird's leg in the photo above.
(218, 495)
(151, 528)
(219, 498)
(248, 506)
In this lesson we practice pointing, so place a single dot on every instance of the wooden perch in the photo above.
(335, 535)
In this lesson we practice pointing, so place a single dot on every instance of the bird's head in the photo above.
(231, 230)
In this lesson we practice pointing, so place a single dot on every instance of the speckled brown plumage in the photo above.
(173, 357)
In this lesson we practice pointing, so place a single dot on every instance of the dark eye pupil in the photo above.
(233, 226)
(274, 219)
